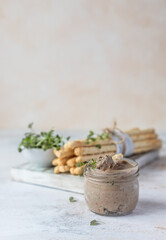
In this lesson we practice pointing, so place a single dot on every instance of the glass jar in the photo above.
(114, 193)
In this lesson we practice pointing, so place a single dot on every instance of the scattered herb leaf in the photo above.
(95, 222)
(71, 199)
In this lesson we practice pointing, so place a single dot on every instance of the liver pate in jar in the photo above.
(111, 185)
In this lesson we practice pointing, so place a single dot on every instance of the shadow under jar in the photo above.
(114, 193)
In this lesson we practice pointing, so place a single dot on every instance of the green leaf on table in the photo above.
(71, 199)
(95, 222)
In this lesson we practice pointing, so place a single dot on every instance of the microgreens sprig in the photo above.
(92, 164)
(44, 140)
(92, 137)
(79, 164)
(104, 135)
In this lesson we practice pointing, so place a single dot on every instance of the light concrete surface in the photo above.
(38, 213)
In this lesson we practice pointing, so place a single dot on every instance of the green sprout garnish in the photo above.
(92, 164)
(92, 137)
(44, 140)
(104, 135)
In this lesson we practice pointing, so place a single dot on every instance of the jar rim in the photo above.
(98, 174)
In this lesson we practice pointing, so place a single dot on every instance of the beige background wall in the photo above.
(80, 64)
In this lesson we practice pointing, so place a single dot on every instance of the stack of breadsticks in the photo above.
(78, 151)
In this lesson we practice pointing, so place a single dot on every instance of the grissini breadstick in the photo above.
(77, 170)
(83, 143)
(151, 144)
(64, 168)
(110, 148)
(56, 170)
(139, 131)
(138, 137)
(55, 162)
(146, 143)
(71, 162)
(63, 153)
(59, 161)
(94, 150)
(61, 169)
(148, 148)
(86, 158)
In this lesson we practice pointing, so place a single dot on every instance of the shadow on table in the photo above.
(148, 207)
(157, 165)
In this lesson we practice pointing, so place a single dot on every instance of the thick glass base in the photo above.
(113, 214)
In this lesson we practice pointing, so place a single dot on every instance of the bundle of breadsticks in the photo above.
(73, 153)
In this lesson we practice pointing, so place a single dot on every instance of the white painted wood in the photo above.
(46, 177)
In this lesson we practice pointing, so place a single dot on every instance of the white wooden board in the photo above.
(46, 177)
